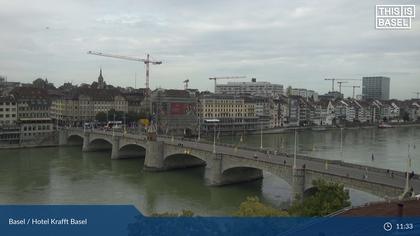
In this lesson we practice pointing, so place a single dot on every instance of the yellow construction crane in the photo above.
(226, 77)
(337, 79)
(146, 61)
(186, 84)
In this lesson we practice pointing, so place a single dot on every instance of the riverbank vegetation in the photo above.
(327, 198)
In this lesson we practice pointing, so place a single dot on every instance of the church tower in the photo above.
(101, 82)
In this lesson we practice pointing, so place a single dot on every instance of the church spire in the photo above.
(101, 82)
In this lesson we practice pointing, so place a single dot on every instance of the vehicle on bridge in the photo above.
(114, 125)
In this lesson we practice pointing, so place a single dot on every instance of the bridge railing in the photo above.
(253, 149)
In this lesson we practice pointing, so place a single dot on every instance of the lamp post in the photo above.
(113, 126)
(125, 126)
(214, 137)
(261, 136)
(341, 143)
(199, 129)
(295, 152)
(408, 169)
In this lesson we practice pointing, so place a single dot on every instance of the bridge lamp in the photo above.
(214, 121)
(295, 151)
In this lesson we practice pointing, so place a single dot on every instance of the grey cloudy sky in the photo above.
(295, 43)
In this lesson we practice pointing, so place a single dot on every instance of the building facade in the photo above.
(237, 114)
(305, 93)
(263, 89)
(175, 112)
(8, 111)
(376, 87)
(83, 104)
(33, 112)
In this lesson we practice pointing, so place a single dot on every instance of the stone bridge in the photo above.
(231, 164)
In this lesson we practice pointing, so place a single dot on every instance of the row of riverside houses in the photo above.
(298, 111)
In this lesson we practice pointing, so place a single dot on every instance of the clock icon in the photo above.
(387, 226)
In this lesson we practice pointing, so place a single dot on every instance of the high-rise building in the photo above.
(376, 87)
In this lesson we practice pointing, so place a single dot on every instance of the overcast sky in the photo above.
(297, 43)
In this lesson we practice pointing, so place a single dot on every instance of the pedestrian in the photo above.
(392, 174)
(373, 157)
(304, 166)
(284, 162)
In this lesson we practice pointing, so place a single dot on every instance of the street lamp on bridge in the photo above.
(214, 121)
(295, 152)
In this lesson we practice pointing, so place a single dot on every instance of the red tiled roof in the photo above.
(393, 208)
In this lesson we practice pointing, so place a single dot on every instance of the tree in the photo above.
(101, 116)
(119, 115)
(253, 207)
(328, 198)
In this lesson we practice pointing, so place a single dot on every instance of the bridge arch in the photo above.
(75, 139)
(131, 150)
(99, 144)
(282, 172)
(183, 160)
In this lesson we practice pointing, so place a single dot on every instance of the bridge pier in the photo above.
(115, 153)
(213, 171)
(154, 159)
(298, 184)
(62, 137)
(85, 147)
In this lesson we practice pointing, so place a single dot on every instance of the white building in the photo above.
(264, 89)
(305, 93)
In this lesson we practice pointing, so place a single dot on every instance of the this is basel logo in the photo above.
(394, 16)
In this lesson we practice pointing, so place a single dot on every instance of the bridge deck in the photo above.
(368, 174)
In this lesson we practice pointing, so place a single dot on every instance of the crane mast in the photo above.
(338, 81)
(186, 84)
(354, 89)
(146, 61)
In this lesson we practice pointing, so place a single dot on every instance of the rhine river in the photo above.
(66, 175)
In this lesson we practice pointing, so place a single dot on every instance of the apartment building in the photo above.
(83, 104)
(234, 113)
(33, 108)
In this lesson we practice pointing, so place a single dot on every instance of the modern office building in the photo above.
(376, 87)
(263, 89)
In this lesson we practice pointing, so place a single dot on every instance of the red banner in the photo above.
(178, 108)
